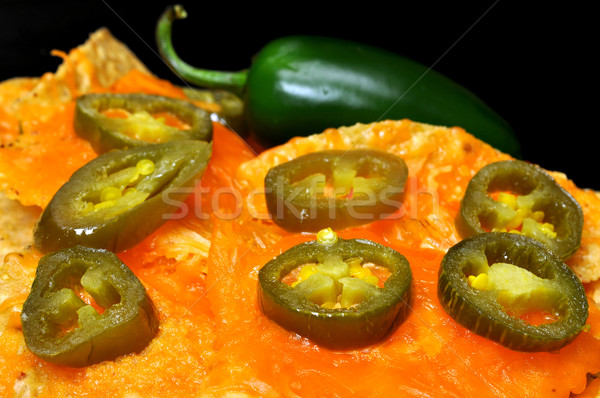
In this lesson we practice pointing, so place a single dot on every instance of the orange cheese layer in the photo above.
(171, 263)
(429, 354)
(174, 276)
(41, 153)
(201, 268)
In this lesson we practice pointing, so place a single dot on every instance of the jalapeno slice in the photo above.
(517, 196)
(512, 289)
(118, 121)
(228, 106)
(365, 313)
(119, 198)
(86, 306)
(335, 188)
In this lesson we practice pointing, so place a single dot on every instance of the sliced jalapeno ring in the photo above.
(139, 122)
(119, 198)
(517, 196)
(495, 283)
(335, 188)
(86, 306)
(365, 313)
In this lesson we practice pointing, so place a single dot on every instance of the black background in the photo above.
(533, 64)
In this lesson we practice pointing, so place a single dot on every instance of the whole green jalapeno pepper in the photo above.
(116, 200)
(324, 290)
(301, 85)
(136, 123)
(511, 289)
(518, 196)
(335, 188)
(60, 323)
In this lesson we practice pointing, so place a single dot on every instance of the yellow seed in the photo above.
(357, 272)
(496, 229)
(548, 226)
(306, 272)
(329, 304)
(327, 236)
(514, 231)
(508, 199)
(360, 272)
(538, 215)
(548, 229)
(372, 279)
(479, 282)
(145, 167)
(110, 193)
(105, 204)
(129, 191)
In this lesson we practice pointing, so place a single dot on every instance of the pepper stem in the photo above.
(231, 81)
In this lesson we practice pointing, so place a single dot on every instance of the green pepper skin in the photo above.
(339, 329)
(483, 315)
(301, 85)
(298, 211)
(106, 133)
(127, 325)
(179, 165)
(524, 178)
(231, 114)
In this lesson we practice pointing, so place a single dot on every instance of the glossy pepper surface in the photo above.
(119, 198)
(491, 282)
(229, 106)
(521, 197)
(377, 312)
(335, 188)
(301, 85)
(137, 125)
(86, 306)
